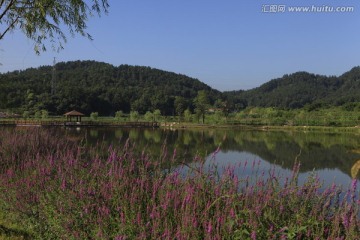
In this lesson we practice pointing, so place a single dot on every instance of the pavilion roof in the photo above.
(74, 113)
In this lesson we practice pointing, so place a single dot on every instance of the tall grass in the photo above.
(56, 189)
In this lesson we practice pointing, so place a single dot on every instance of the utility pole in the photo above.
(53, 79)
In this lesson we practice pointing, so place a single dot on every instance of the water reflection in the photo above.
(334, 156)
(355, 170)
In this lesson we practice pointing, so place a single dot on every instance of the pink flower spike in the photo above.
(253, 235)
(209, 228)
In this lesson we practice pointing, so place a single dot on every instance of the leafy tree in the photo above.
(37, 115)
(197, 115)
(41, 20)
(201, 104)
(218, 116)
(179, 105)
(94, 115)
(134, 115)
(350, 106)
(157, 114)
(224, 106)
(188, 115)
(44, 114)
(149, 116)
(26, 114)
(119, 115)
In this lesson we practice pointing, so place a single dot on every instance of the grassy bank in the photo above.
(330, 116)
(184, 125)
(56, 189)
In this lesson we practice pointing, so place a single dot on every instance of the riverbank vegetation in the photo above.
(251, 116)
(56, 188)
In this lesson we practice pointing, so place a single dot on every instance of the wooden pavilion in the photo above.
(73, 114)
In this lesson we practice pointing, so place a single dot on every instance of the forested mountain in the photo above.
(91, 86)
(300, 89)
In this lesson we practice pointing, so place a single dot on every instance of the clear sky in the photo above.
(228, 44)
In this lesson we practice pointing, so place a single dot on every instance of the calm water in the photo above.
(335, 157)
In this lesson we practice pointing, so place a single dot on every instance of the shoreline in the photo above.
(259, 127)
(175, 125)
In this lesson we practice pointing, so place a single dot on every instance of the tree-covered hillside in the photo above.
(91, 86)
(300, 89)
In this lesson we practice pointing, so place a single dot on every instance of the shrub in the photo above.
(26, 114)
(37, 115)
(134, 116)
(119, 115)
(149, 116)
(44, 114)
(157, 114)
(94, 115)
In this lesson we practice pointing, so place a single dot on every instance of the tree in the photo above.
(94, 115)
(187, 115)
(149, 116)
(41, 20)
(37, 115)
(119, 115)
(179, 105)
(134, 116)
(201, 104)
(157, 114)
(44, 114)
(26, 114)
(224, 106)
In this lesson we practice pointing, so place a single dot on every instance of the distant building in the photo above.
(74, 115)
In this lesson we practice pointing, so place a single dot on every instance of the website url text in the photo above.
(276, 8)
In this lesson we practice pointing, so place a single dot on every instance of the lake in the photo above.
(334, 157)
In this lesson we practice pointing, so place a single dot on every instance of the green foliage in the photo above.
(301, 89)
(134, 116)
(94, 115)
(219, 117)
(106, 89)
(350, 106)
(188, 115)
(99, 87)
(41, 20)
(331, 116)
(37, 115)
(149, 116)
(119, 115)
(180, 106)
(26, 114)
(201, 103)
(157, 114)
(44, 114)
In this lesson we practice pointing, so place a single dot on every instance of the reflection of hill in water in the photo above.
(355, 170)
(318, 150)
(313, 155)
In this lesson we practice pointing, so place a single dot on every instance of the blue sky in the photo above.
(229, 44)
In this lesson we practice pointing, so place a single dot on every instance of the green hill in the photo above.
(300, 89)
(91, 86)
